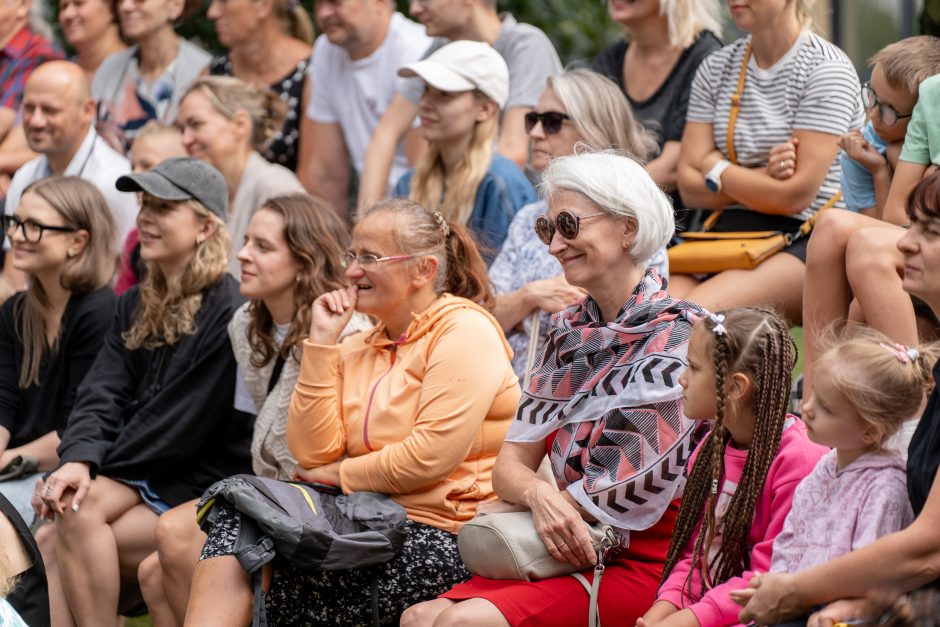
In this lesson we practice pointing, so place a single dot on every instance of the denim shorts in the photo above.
(150, 498)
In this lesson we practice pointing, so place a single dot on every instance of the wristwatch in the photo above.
(713, 178)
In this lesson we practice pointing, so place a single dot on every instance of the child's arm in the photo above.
(906, 177)
(864, 167)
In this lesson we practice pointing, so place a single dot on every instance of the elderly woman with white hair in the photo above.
(604, 401)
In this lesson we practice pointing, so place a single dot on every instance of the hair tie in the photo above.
(904, 354)
(442, 222)
(717, 320)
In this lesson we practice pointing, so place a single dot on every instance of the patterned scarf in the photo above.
(611, 392)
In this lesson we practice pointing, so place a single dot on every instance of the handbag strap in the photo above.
(593, 590)
(732, 122)
(534, 330)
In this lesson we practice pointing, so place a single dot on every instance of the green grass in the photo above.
(139, 621)
(797, 333)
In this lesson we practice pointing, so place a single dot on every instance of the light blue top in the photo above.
(9, 617)
(858, 186)
(503, 191)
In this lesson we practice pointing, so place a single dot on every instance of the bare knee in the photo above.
(45, 539)
(177, 535)
(150, 575)
(424, 613)
(471, 613)
(873, 250)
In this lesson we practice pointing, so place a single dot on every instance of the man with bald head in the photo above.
(58, 119)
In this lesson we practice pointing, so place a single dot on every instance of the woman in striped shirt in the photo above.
(777, 167)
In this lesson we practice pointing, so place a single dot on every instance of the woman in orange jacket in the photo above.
(416, 408)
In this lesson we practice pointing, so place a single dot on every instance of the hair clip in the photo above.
(442, 222)
(717, 320)
(904, 354)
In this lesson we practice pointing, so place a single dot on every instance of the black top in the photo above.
(923, 454)
(664, 112)
(164, 415)
(30, 596)
(284, 145)
(32, 413)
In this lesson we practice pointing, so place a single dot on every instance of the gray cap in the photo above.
(181, 178)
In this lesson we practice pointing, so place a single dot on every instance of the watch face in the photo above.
(711, 184)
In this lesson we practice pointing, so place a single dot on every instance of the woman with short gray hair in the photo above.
(603, 400)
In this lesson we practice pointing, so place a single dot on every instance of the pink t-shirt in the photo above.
(796, 458)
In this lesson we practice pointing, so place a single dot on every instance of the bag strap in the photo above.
(593, 590)
(732, 122)
(534, 329)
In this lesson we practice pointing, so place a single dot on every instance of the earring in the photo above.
(71, 254)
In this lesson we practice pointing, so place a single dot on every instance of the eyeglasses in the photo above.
(551, 121)
(567, 223)
(32, 230)
(368, 260)
(888, 114)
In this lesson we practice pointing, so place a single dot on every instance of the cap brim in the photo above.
(154, 184)
(437, 75)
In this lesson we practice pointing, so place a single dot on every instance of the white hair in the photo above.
(687, 18)
(621, 186)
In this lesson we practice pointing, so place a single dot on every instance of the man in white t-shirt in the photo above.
(58, 119)
(354, 75)
(528, 52)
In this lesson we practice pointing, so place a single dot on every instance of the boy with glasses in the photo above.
(870, 154)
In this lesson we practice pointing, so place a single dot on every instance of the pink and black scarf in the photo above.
(611, 392)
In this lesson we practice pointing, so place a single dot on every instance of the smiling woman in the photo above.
(90, 27)
(381, 412)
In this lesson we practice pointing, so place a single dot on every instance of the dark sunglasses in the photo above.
(551, 121)
(567, 224)
(888, 114)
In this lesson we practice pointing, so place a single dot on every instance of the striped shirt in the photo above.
(813, 87)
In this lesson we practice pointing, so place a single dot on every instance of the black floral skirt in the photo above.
(427, 565)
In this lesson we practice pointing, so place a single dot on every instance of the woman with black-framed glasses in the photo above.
(60, 237)
(591, 408)
(579, 109)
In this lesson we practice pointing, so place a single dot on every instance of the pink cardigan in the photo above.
(795, 459)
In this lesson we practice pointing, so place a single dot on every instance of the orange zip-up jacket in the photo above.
(420, 418)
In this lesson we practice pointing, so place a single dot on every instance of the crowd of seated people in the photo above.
(417, 257)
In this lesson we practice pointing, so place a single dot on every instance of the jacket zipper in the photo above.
(365, 422)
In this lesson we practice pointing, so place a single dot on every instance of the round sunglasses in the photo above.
(566, 223)
(551, 121)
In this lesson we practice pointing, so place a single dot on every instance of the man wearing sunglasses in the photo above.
(531, 58)
(58, 117)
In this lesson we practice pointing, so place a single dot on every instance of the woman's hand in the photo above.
(560, 526)
(858, 148)
(39, 506)
(67, 486)
(781, 164)
(331, 313)
(774, 600)
(328, 474)
(554, 294)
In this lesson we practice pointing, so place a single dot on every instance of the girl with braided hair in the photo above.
(743, 475)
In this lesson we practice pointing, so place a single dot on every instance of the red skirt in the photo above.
(627, 590)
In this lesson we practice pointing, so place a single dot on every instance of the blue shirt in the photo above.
(858, 186)
(503, 191)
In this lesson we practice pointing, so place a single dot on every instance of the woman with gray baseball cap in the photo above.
(153, 425)
(460, 175)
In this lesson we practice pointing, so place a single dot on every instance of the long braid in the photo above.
(758, 344)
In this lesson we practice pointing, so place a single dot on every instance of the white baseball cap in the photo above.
(464, 66)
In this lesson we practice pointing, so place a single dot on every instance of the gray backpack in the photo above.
(309, 528)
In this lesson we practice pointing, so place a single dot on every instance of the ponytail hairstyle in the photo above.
(460, 267)
(884, 382)
(295, 21)
(804, 12)
(453, 194)
(168, 305)
(316, 238)
(229, 95)
(755, 342)
(82, 207)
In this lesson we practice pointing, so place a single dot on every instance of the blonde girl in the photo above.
(864, 387)
(743, 475)
(466, 84)
(153, 425)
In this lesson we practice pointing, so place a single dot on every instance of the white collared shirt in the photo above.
(97, 163)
